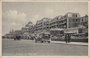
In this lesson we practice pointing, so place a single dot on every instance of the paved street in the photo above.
(29, 48)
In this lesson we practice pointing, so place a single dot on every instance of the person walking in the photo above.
(66, 38)
(18, 37)
(14, 37)
(69, 38)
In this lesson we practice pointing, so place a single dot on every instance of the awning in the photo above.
(59, 29)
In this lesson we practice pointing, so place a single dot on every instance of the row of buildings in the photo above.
(69, 23)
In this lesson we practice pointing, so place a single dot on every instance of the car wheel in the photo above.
(48, 41)
(41, 41)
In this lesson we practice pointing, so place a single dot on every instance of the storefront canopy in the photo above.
(56, 29)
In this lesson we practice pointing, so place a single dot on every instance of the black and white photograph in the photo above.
(44, 28)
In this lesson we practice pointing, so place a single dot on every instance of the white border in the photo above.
(42, 56)
(40, 0)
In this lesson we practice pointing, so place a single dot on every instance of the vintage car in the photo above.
(44, 37)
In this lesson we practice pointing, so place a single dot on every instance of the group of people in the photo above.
(67, 38)
(17, 37)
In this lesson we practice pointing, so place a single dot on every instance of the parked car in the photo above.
(44, 37)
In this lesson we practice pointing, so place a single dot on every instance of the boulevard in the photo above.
(11, 47)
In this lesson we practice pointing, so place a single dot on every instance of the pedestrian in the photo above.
(14, 37)
(31, 37)
(69, 38)
(66, 38)
(18, 37)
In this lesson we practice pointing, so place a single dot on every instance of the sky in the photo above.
(17, 14)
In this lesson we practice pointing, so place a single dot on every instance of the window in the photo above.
(76, 15)
(76, 20)
(69, 15)
(82, 19)
(80, 30)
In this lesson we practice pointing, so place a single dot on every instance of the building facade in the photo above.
(28, 29)
(58, 22)
(42, 25)
(73, 19)
(84, 21)
(77, 24)
(69, 20)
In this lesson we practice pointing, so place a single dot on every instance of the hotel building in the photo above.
(42, 25)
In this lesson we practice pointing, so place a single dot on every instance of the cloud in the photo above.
(49, 11)
(14, 15)
(36, 17)
(12, 19)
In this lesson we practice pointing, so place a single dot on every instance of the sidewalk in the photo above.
(73, 43)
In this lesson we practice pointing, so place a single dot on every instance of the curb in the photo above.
(71, 43)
